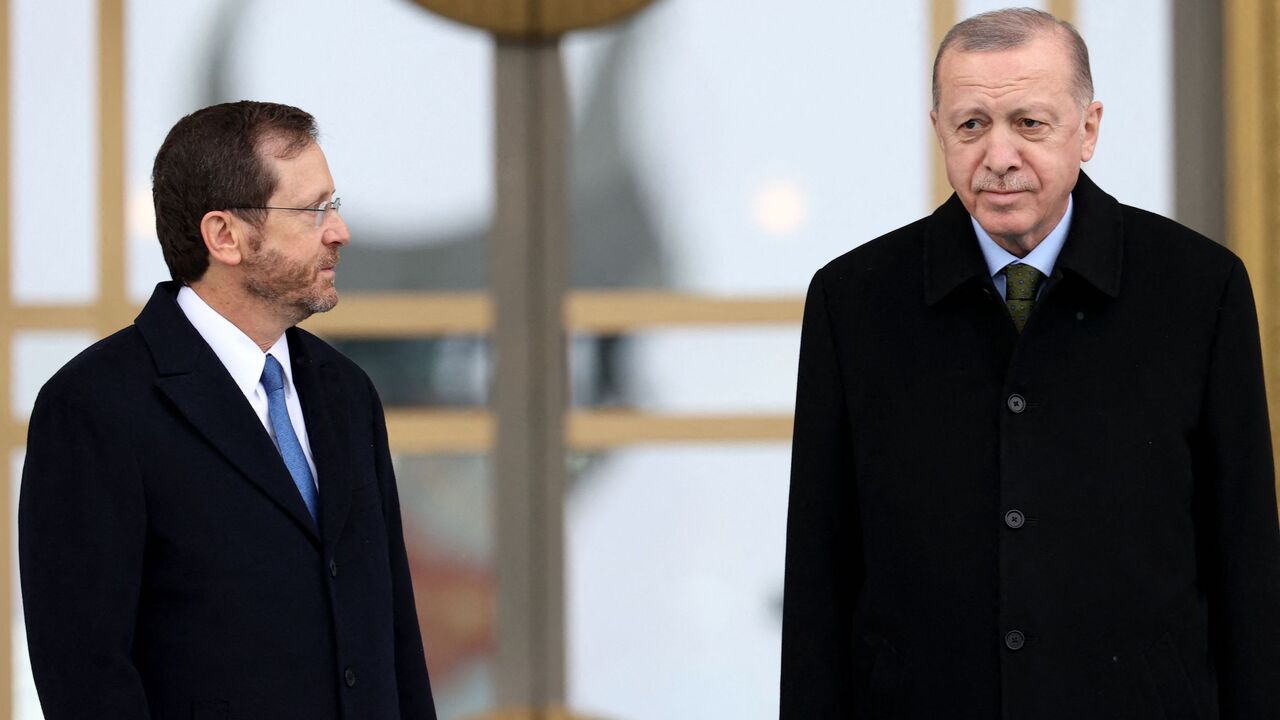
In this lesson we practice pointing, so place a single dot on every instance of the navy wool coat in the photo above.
(1075, 522)
(169, 566)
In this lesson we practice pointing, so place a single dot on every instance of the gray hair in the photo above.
(1011, 28)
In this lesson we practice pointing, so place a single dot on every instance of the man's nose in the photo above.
(336, 232)
(1003, 155)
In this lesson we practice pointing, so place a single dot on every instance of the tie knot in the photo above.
(1022, 281)
(272, 374)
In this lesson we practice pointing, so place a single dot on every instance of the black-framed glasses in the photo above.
(321, 210)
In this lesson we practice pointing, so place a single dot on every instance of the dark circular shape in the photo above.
(1015, 640)
(350, 677)
(533, 19)
(333, 568)
(1016, 403)
(1014, 519)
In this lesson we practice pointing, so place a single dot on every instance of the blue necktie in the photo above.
(286, 438)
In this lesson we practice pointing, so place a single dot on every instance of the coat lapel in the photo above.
(951, 254)
(1094, 249)
(197, 384)
(321, 393)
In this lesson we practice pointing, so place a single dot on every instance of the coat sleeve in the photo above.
(1237, 507)
(414, 685)
(824, 556)
(81, 538)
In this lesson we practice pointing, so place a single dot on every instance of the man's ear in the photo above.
(223, 236)
(1092, 122)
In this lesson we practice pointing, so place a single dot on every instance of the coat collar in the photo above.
(190, 375)
(1094, 247)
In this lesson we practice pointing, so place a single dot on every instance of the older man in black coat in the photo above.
(1032, 475)
(209, 525)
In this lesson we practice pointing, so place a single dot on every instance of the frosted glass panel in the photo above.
(447, 506)
(674, 582)
(694, 370)
(37, 355)
(404, 105)
(1133, 77)
(729, 147)
(55, 153)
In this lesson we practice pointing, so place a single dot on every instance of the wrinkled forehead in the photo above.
(1039, 70)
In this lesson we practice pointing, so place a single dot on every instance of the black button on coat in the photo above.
(1145, 582)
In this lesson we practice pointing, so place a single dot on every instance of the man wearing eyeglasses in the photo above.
(209, 525)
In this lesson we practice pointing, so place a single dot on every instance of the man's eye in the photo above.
(1030, 124)
(969, 125)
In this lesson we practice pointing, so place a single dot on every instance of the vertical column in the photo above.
(1253, 167)
(113, 305)
(942, 17)
(1062, 9)
(1199, 134)
(528, 277)
(8, 439)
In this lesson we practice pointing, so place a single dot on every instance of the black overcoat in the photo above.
(169, 566)
(1075, 522)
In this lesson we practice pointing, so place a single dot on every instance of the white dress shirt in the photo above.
(1043, 257)
(242, 357)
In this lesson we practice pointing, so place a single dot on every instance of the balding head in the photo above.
(1011, 28)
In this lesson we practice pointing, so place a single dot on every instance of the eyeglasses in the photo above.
(321, 210)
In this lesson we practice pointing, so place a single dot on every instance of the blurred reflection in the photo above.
(410, 372)
(674, 581)
(447, 505)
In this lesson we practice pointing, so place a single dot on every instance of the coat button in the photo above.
(333, 568)
(1014, 640)
(1014, 519)
(1016, 403)
(350, 676)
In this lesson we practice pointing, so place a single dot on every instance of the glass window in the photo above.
(446, 503)
(674, 559)
(405, 113)
(54, 141)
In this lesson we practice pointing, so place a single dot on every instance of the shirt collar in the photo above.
(239, 354)
(1043, 257)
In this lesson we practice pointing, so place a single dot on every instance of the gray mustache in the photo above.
(1004, 184)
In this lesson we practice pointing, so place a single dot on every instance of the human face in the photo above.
(290, 263)
(1014, 134)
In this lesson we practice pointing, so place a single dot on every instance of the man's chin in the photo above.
(323, 302)
(1003, 224)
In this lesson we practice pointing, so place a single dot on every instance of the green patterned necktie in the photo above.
(1021, 284)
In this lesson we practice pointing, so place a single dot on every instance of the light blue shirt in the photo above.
(1042, 258)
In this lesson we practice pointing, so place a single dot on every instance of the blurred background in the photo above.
(707, 156)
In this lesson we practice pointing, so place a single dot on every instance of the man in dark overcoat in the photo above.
(209, 526)
(1032, 476)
